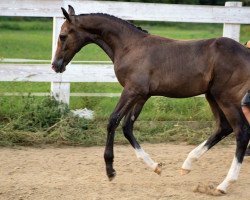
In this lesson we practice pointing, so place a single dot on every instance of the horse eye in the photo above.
(62, 37)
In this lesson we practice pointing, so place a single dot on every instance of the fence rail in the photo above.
(131, 10)
(231, 15)
(44, 73)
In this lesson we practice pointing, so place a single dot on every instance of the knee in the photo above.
(113, 123)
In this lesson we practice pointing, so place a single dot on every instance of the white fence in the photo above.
(231, 15)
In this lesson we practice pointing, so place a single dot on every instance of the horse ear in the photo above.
(66, 15)
(71, 10)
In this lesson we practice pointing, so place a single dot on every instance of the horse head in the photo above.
(71, 39)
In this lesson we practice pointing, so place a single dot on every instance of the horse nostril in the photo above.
(57, 65)
(53, 67)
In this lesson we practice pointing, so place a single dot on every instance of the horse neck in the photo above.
(111, 34)
(105, 47)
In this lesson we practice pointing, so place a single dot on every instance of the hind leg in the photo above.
(223, 130)
(241, 128)
(128, 125)
(245, 106)
(246, 111)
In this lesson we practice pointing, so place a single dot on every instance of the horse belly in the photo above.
(179, 86)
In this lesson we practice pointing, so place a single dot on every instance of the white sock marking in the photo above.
(194, 155)
(232, 175)
(141, 154)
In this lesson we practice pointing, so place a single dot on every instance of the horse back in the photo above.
(175, 68)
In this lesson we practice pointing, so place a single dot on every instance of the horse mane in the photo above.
(112, 17)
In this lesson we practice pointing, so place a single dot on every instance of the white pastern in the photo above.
(141, 154)
(232, 175)
(194, 155)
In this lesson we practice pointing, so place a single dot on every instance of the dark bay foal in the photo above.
(148, 65)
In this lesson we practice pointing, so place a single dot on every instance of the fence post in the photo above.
(60, 90)
(232, 30)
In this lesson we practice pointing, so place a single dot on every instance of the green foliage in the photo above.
(38, 116)
(192, 109)
(246, 2)
(39, 121)
(32, 114)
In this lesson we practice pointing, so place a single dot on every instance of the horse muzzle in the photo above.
(58, 66)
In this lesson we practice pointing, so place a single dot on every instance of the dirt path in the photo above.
(78, 173)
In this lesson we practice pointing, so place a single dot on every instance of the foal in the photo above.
(147, 65)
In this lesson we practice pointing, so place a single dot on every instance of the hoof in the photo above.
(184, 171)
(219, 192)
(209, 189)
(111, 176)
(158, 169)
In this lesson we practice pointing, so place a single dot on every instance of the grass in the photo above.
(32, 39)
(162, 119)
(37, 121)
(163, 109)
(24, 87)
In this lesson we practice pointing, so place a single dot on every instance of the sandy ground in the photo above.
(78, 173)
